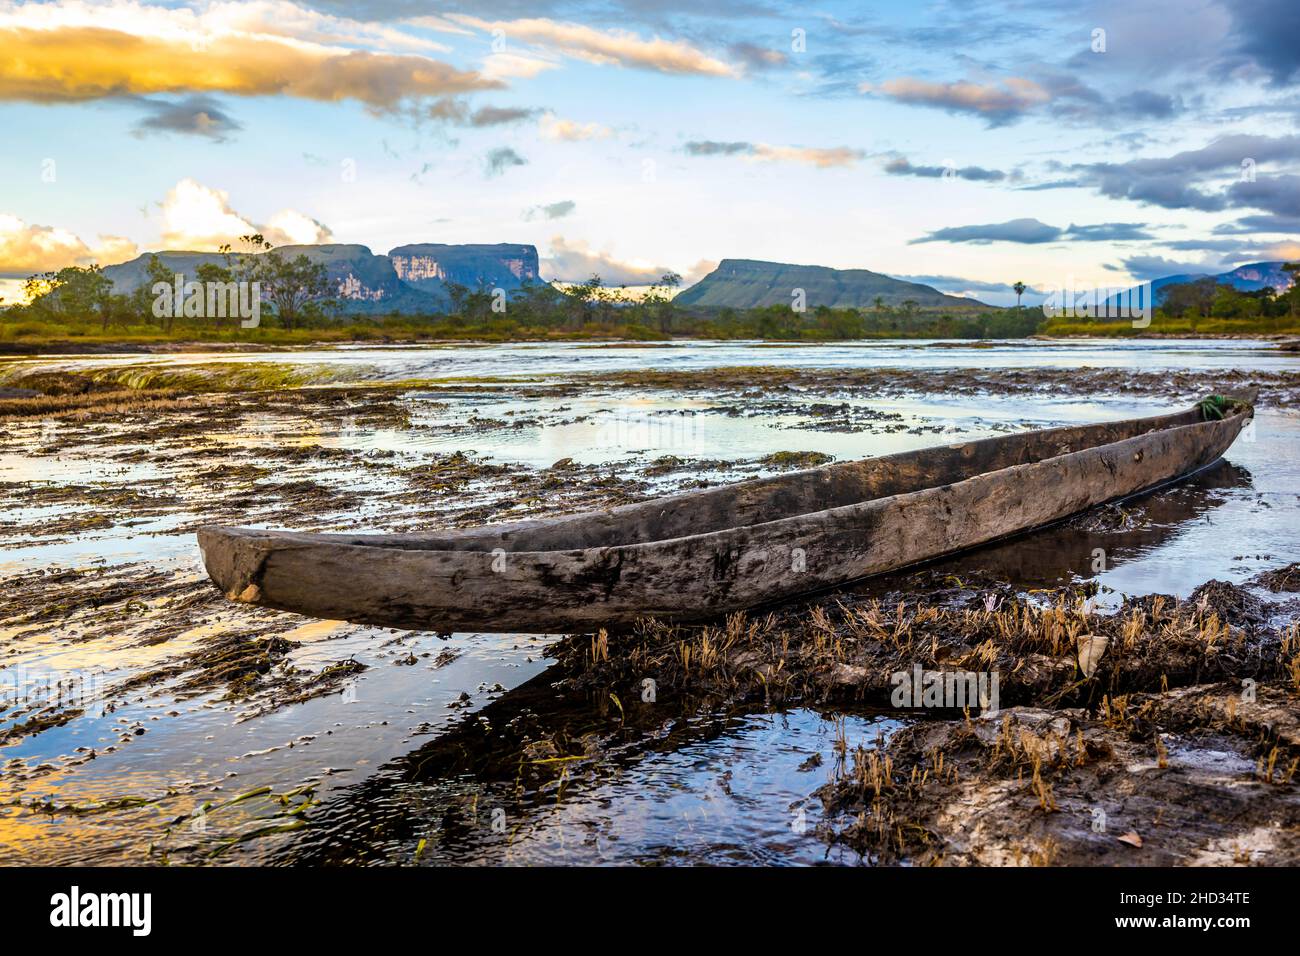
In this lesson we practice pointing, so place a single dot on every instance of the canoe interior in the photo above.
(747, 503)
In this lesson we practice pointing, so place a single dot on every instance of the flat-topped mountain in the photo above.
(410, 279)
(502, 265)
(752, 283)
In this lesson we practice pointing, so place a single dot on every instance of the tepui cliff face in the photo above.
(410, 279)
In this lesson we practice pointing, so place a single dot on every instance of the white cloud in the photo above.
(199, 218)
(509, 66)
(575, 261)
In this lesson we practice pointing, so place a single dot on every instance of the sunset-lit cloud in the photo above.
(996, 102)
(511, 66)
(605, 47)
(72, 52)
(27, 248)
(823, 158)
(553, 127)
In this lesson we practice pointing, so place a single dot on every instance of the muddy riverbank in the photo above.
(144, 719)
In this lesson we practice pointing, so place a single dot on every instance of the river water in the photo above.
(403, 764)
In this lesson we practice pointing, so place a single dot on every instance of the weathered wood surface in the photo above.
(698, 555)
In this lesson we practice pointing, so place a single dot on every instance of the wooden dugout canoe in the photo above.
(698, 555)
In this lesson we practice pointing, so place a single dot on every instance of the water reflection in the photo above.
(538, 777)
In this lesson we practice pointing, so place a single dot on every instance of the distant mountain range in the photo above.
(752, 283)
(410, 279)
(414, 278)
(1247, 278)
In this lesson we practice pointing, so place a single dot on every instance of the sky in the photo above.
(961, 143)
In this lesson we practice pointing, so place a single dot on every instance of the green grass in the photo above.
(38, 333)
(1161, 325)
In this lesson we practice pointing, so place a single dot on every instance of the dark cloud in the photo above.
(1148, 105)
(1029, 231)
(1187, 180)
(1266, 34)
(1033, 232)
(456, 111)
(1108, 232)
(1276, 195)
(501, 159)
(193, 116)
(901, 166)
(708, 147)
(1145, 268)
(501, 115)
(1255, 224)
(555, 210)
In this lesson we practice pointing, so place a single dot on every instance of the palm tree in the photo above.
(1020, 290)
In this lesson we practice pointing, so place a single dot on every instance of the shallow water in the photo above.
(390, 757)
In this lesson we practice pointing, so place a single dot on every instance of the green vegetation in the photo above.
(79, 305)
(1203, 307)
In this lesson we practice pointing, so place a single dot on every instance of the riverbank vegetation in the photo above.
(78, 306)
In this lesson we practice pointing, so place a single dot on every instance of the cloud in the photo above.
(27, 249)
(1108, 232)
(1256, 224)
(901, 166)
(836, 74)
(994, 293)
(555, 210)
(708, 147)
(569, 131)
(1062, 95)
(998, 103)
(1034, 232)
(501, 159)
(199, 218)
(821, 158)
(1277, 195)
(1264, 33)
(1185, 180)
(500, 115)
(574, 261)
(824, 158)
(1029, 231)
(455, 110)
(605, 47)
(1148, 105)
(513, 66)
(757, 58)
(1145, 268)
(192, 116)
(73, 52)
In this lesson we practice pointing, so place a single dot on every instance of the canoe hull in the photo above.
(483, 584)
